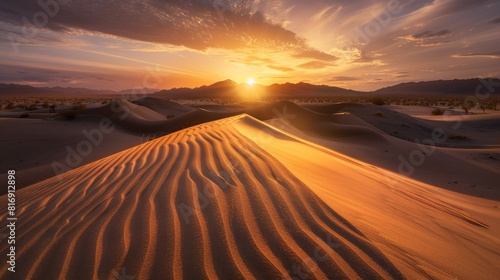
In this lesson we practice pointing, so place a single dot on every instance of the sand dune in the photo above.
(426, 231)
(220, 200)
(160, 210)
(162, 106)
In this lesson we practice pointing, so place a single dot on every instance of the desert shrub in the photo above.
(25, 115)
(69, 114)
(80, 106)
(467, 105)
(377, 101)
(437, 112)
(22, 106)
(32, 107)
(45, 104)
(10, 106)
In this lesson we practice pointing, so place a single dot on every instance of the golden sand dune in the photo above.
(207, 202)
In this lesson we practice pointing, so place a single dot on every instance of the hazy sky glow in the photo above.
(363, 45)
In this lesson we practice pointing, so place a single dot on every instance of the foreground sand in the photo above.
(236, 198)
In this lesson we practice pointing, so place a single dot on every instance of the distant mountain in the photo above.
(225, 88)
(221, 85)
(23, 90)
(26, 90)
(229, 89)
(137, 91)
(439, 87)
(305, 89)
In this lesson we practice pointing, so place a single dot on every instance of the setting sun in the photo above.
(251, 81)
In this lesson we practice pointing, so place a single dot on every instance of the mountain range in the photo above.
(229, 88)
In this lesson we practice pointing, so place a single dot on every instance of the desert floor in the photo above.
(253, 190)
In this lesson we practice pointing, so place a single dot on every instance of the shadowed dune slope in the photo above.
(134, 117)
(162, 106)
(205, 202)
(389, 121)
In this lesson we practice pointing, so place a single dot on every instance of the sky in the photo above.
(361, 45)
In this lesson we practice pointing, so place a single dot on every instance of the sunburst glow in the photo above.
(251, 81)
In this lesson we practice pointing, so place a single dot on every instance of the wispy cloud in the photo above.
(316, 64)
(478, 55)
(343, 79)
(280, 68)
(429, 34)
(495, 20)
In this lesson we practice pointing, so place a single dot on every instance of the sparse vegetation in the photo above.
(378, 101)
(79, 106)
(69, 114)
(437, 112)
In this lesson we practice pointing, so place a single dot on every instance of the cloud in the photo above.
(315, 64)
(41, 76)
(368, 58)
(315, 54)
(256, 59)
(101, 78)
(195, 24)
(280, 68)
(478, 55)
(495, 21)
(428, 38)
(428, 34)
(401, 75)
(447, 7)
(343, 79)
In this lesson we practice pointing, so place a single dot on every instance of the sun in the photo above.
(250, 81)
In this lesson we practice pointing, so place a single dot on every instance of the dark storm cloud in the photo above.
(196, 24)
